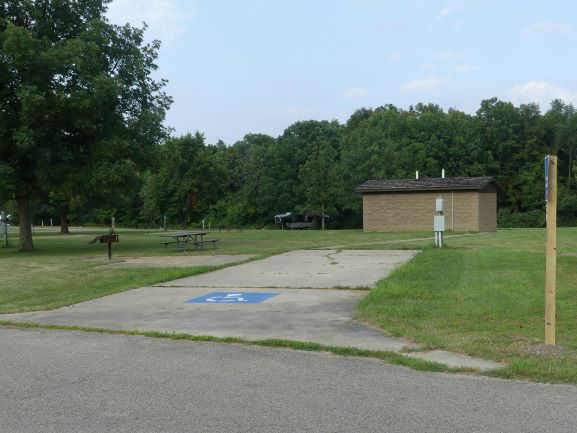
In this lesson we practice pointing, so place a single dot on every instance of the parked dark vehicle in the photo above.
(292, 221)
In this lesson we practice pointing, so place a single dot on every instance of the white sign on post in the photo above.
(546, 178)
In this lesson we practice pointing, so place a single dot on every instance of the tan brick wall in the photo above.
(488, 209)
(414, 211)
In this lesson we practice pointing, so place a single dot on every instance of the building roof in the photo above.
(433, 184)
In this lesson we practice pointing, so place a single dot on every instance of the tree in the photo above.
(562, 122)
(321, 180)
(75, 92)
(188, 181)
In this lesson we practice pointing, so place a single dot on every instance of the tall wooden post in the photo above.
(551, 251)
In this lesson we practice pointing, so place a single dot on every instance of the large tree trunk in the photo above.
(64, 224)
(323, 216)
(25, 224)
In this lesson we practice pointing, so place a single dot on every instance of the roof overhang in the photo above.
(416, 186)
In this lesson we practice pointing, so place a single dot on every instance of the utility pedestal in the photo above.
(439, 223)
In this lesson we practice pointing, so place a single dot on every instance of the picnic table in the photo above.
(181, 239)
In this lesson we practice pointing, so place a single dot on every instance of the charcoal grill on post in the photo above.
(106, 239)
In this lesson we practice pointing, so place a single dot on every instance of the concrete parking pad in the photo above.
(176, 261)
(245, 301)
(320, 316)
(304, 269)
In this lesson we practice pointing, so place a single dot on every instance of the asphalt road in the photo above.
(74, 382)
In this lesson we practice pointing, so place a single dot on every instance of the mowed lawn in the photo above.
(65, 269)
(484, 296)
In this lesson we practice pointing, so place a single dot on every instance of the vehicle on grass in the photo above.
(292, 221)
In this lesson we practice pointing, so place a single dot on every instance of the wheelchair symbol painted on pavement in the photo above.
(232, 298)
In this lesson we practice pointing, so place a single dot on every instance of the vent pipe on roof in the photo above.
(442, 173)
(417, 174)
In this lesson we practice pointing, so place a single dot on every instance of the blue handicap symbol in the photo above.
(232, 298)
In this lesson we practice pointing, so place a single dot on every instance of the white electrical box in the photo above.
(439, 223)
(439, 205)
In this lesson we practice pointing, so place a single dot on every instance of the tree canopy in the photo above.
(76, 101)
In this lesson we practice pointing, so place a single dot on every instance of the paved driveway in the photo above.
(69, 382)
(305, 269)
(318, 315)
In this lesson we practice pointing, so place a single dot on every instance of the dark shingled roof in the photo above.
(435, 184)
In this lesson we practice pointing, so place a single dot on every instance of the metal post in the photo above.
(4, 228)
(453, 210)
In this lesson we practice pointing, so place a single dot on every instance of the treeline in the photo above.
(82, 140)
(314, 166)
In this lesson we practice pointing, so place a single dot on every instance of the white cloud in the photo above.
(444, 12)
(394, 56)
(541, 92)
(546, 30)
(466, 68)
(450, 9)
(166, 19)
(445, 55)
(429, 83)
(356, 92)
(428, 66)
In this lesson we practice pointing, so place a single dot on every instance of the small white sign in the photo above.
(546, 178)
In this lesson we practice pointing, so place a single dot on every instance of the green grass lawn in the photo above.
(65, 268)
(484, 296)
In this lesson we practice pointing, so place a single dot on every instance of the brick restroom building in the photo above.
(409, 205)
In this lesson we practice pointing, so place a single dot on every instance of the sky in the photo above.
(256, 66)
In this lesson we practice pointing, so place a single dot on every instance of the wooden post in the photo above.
(551, 252)
(109, 251)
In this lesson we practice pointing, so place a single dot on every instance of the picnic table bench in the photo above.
(181, 239)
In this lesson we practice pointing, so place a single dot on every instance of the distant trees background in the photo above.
(82, 140)
(314, 167)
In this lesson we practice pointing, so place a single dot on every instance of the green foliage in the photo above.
(507, 218)
(76, 97)
(190, 178)
(321, 180)
(316, 165)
